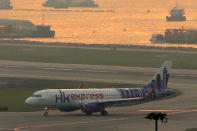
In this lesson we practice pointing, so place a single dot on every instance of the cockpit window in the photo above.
(36, 95)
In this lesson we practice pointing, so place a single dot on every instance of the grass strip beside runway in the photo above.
(97, 57)
(14, 91)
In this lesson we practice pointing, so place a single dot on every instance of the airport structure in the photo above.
(5, 5)
(69, 3)
(176, 14)
(157, 116)
(24, 29)
(178, 36)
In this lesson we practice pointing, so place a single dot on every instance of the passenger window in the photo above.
(36, 95)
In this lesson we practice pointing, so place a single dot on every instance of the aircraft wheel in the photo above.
(88, 113)
(104, 113)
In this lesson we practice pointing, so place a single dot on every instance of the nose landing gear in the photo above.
(46, 112)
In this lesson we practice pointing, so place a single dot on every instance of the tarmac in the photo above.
(181, 110)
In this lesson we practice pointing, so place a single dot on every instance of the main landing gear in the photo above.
(88, 113)
(104, 113)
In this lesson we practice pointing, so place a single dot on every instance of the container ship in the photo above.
(69, 3)
(5, 5)
(24, 29)
(178, 36)
(176, 14)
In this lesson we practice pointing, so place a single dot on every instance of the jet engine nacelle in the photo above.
(90, 108)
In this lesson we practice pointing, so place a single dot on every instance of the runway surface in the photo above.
(182, 110)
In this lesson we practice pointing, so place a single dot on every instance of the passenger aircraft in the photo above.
(96, 100)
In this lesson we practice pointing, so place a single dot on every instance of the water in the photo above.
(114, 22)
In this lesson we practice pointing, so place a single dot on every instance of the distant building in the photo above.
(5, 5)
(69, 3)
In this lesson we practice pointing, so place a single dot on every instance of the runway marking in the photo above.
(99, 71)
(63, 69)
(54, 69)
(35, 67)
(5, 129)
(171, 111)
(183, 111)
(176, 84)
(71, 123)
(162, 110)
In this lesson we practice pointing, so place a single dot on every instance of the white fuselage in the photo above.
(72, 98)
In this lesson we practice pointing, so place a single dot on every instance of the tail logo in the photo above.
(162, 82)
(156, 86)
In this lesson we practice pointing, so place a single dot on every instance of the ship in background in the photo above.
(176, 14)
(11, 28)
(177, 36)
(69, 3)
(5, 5)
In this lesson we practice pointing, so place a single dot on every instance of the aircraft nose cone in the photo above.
(27, 101)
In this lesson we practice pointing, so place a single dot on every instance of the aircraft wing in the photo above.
(115, 102)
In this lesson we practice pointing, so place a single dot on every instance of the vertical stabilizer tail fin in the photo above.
(159, 82)
(162, 75)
